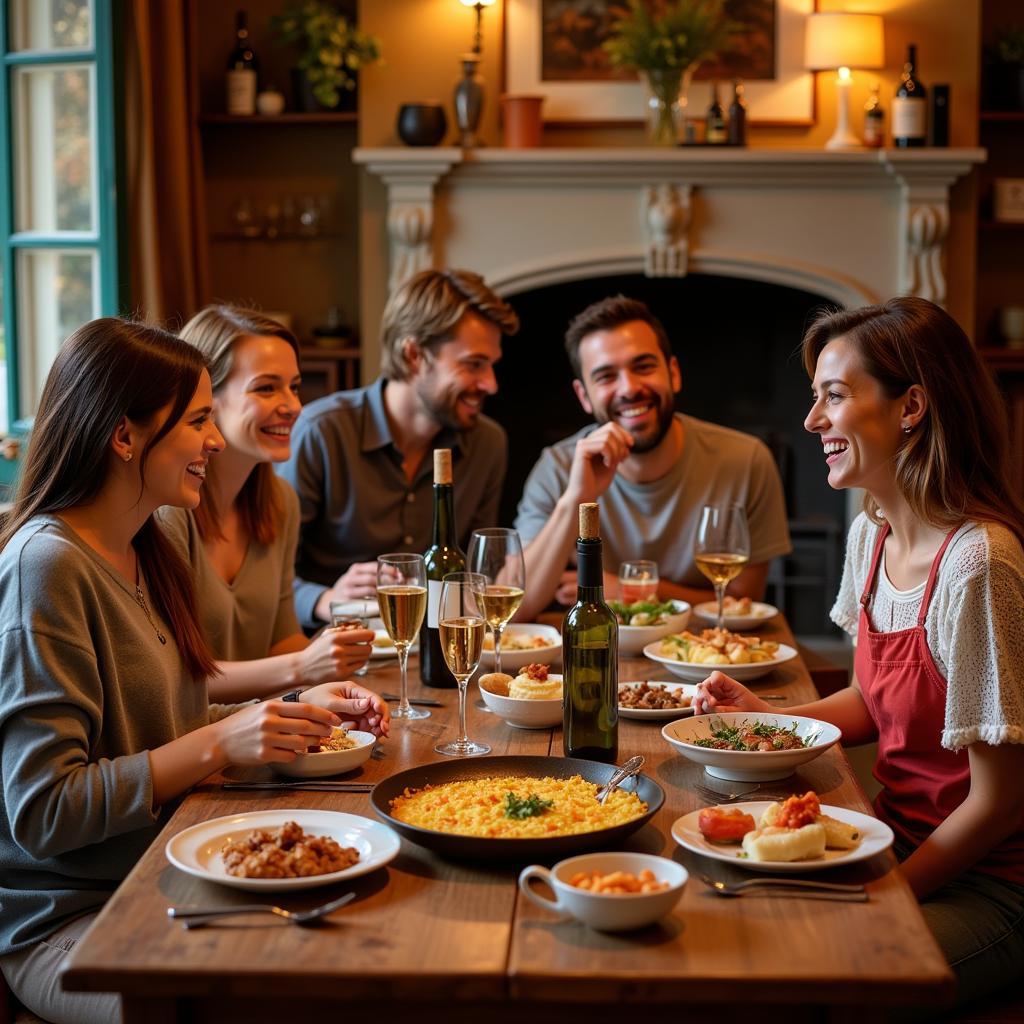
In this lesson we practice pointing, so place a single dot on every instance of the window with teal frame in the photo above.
(58, 161)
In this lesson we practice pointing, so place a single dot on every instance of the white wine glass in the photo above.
(460, 621)
(722, 549)
(402, 597)
(497, 554)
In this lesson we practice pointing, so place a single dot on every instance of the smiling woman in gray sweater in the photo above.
(104, 713)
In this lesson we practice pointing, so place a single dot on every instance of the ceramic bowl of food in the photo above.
(523, 643)
(331, 762)
(666, 652)
(521, 712)
(608, 911)
(795, 741)
(644, 622)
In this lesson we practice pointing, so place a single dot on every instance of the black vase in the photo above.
(305, 102)
(421, 124)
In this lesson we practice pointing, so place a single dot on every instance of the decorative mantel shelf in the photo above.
(854, 227)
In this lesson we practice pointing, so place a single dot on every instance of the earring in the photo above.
(908, 429)
(127, 456)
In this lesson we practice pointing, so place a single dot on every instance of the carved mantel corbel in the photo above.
(667, 224)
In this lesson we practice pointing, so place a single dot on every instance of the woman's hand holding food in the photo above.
(274, 731)
(721, 693)
(334, 654)
(368, 711)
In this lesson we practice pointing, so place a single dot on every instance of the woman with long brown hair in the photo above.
(104, 713)
(933, 593)
(241, 539)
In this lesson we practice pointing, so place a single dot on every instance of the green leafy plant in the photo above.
(681, 34)
(1010, 45)
(332, 49)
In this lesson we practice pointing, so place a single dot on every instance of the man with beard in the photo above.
(360, 460)
(652, 468)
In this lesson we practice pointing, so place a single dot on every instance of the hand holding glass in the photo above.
(342, 619)
(723, 547)
(402, 597)
(638, 581)
(497, 554)
(460, 618)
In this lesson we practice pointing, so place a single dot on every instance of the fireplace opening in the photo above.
(737, 342)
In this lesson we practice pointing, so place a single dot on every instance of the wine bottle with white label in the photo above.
(590, 655)
(442, 557)
(910, 107)
(242, 72)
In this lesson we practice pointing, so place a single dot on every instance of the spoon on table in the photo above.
(629, 769)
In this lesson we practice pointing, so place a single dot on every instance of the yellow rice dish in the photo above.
(479, 807)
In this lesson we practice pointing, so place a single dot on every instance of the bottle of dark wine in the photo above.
(737, 116)
(590, 655)
(242, 73)
(442, 557)
(874, 120)
(910, 107)
(716, 133)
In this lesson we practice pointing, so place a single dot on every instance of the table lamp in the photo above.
(840, 41)
(469, 93)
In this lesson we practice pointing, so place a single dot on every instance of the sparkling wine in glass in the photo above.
(638, 581)
(402, 598)
(497, 554)
(460, 620)
(723, 547)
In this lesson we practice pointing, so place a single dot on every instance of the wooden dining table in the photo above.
(431, 938)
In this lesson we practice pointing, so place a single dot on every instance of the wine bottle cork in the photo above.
(442, 465)
(590, 521)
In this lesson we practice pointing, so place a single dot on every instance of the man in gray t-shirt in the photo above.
(360, 459)
(651, 468)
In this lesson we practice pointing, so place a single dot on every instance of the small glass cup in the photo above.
(638, 581)
(341, 618)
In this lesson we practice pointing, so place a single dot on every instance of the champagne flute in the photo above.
(723, 547)
(497, 554)
(460, 620)
(402, 597)
(638, 581)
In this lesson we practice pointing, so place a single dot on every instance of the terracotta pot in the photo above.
(523, 123)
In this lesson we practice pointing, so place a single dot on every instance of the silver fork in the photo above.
(724, 797)
(197, 917)
(794, 887)
(630, 768)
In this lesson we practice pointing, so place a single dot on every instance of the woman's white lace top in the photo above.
(975, 625)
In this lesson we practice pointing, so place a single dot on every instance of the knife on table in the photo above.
(321, 785)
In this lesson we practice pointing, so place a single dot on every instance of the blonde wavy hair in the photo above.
(427, 308)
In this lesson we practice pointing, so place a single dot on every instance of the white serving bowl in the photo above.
(759, 614)
(633, 639)
(750, 765)
(697, 672)
(330, 762)
(525, 714)
(612, 912)
(512, 661)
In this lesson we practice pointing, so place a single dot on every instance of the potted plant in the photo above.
(1010, 54)
(666, 47)
(332, 52)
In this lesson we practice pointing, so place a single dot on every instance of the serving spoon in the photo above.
(629, 769)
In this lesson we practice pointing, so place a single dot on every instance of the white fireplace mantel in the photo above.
(854, 227)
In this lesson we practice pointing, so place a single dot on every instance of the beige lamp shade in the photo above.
(475, 3)
(836, 39)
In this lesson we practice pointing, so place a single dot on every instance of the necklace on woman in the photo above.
(140, 599)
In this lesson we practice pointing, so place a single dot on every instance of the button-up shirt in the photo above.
(356, 500)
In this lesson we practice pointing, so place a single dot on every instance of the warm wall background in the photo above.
(422, 41)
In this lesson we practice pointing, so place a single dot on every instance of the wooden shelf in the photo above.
(1006, 360)
(289, 117)
(223, 238)
(1005, 116)
(1000, 225)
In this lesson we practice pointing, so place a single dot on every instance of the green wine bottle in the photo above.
(590, 655)
(442, 557)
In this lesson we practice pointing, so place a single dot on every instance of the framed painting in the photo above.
(554, 48)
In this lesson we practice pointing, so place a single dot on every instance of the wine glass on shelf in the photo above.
(460, 620)
(638, 581)
(497, 554)
(402, 597)
(723, 547)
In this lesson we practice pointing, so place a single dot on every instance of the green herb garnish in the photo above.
(531, 807)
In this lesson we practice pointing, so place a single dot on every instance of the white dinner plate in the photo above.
(196, 850)
(759, 613)
(877, 837)
(688, 689)
(388, 650)
(512, 661)
(697, 673)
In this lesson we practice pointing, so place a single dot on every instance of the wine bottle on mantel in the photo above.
(910, 107)
(590, 655)
(242, 73)
(442, 557)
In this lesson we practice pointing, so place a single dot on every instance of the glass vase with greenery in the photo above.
(665, 47)
(332, 49)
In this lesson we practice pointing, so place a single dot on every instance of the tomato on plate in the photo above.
(722, 825)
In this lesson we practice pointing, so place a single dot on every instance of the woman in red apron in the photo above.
(933, 593)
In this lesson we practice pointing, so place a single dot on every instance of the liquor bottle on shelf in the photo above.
(910, 107)
(716, 133)
(242, 72)
(442, 557)
(590, 655)
(737, 116)
(874, 120)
